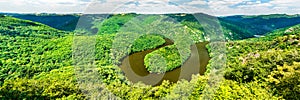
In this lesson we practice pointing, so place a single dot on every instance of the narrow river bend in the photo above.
(134, 68)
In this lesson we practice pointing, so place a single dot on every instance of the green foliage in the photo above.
(146, 42)
(16, 27)
(260, 60)
(195, 30)
(44, 56)
(279, 33)
(254, 59)
(233, 90)
(248, 26)
(286, 81)
(140, 91)
(103, 46)
(165, 59)
(199, 84)
(234, 31)
(34, 61)
(124, 38)
(188, 90)
(271, 16)
(146, 24)
(66, 22)
(113, 24)
(239, 27)
(109, 74)
(125, 43)
(59, 83)
(29, 48)
(234, 27)
(182, 90)
(156, 63)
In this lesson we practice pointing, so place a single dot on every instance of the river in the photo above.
(134, 68)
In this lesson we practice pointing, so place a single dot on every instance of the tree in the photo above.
(286, 81)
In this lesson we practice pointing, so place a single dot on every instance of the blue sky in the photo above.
(212, 7)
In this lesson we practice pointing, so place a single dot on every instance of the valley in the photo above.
(135, 56)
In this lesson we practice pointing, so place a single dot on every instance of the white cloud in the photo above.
(286, 3)
(214, 7)
(51, 6)
(197, 2)
(145, 6)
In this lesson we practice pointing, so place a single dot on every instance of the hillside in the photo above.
(61, 22)
(235, 27)
(16, 27)
(261, 24)
(29, 48)
(262, 59)
(37, 61)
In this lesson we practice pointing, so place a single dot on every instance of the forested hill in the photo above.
(292, 30)
(29, 48)
(235, 27)
(17, 27)
(36, 63)
(261, 24)
(272, 61)
(66, 22)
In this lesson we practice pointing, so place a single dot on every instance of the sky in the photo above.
(212, 7)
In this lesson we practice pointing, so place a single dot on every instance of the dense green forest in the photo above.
(61, 22)
(235, 27)
(37, 61)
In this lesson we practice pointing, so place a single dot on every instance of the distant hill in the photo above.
(25, 28)
(234, 27)
(285, 31)
(262, 24)
(61, 22)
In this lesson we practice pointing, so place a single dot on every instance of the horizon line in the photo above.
(82, 13)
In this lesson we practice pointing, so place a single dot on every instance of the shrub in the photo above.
(286, 81)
